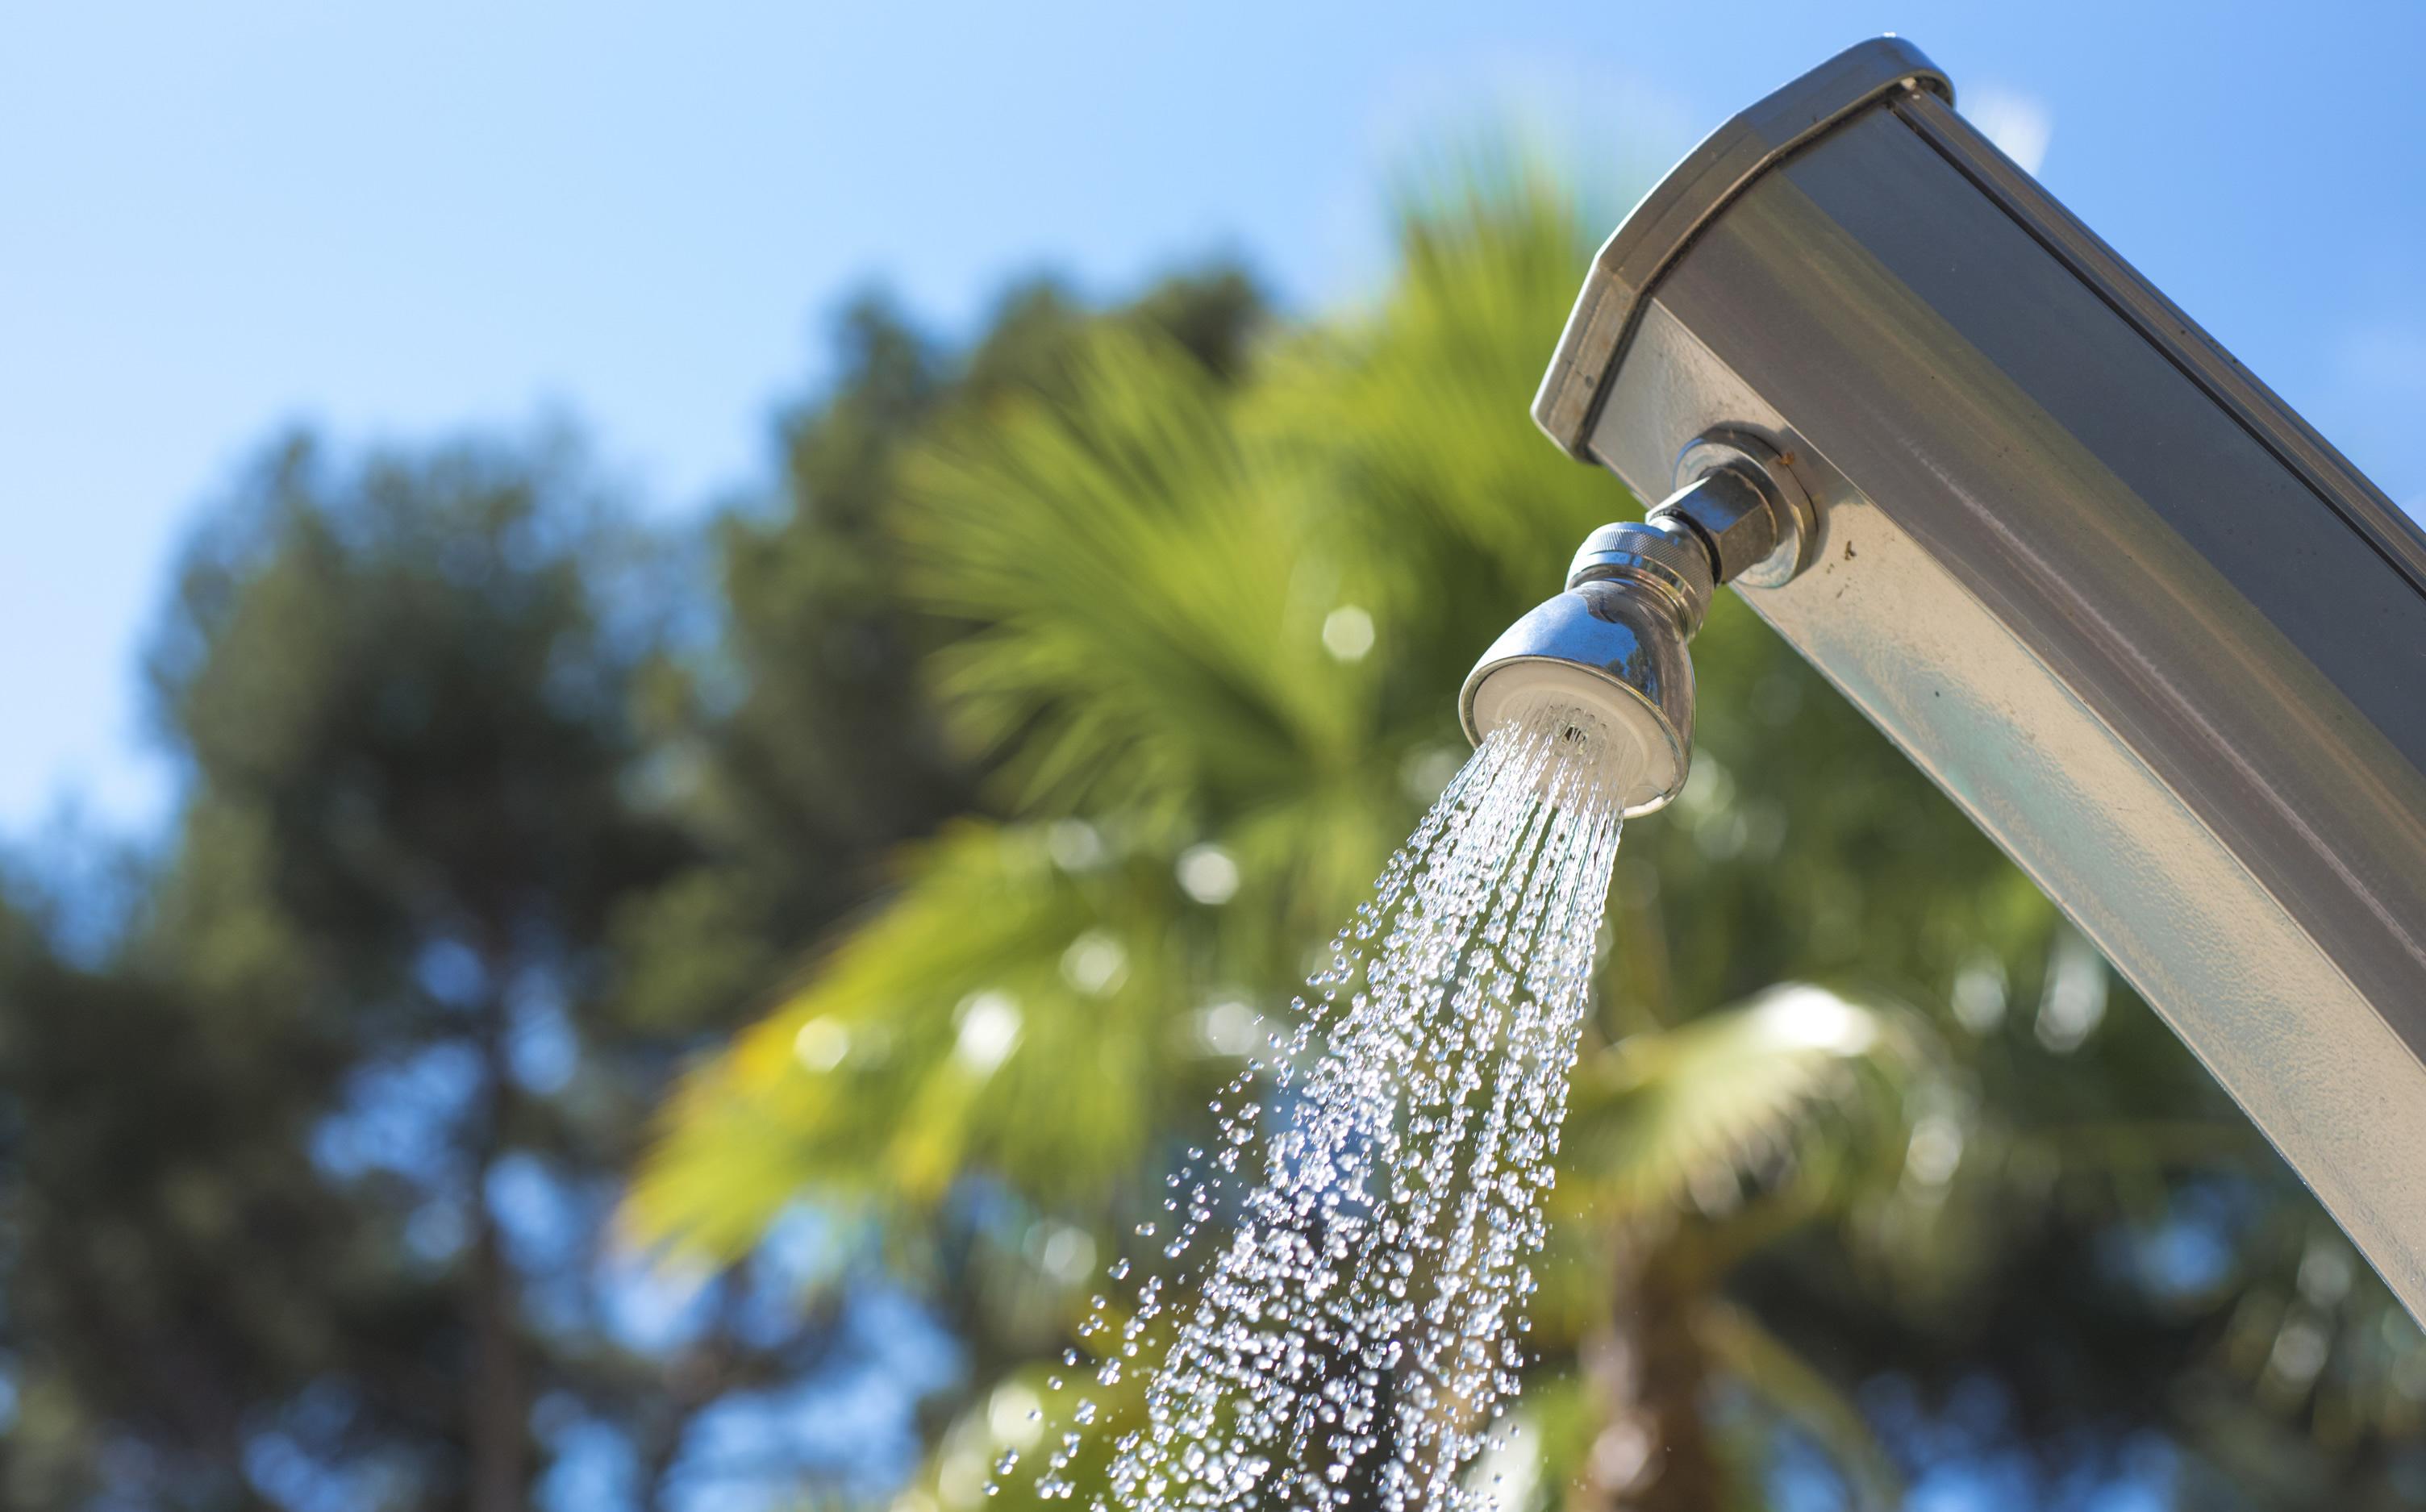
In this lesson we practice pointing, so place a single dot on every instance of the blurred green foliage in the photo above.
(949, 815)
(1152, 568)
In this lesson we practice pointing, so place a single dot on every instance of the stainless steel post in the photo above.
(2148, 629)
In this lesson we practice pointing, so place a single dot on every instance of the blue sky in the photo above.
(395, 221)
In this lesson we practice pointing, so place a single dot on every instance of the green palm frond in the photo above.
(1006, 1013)
(1438, 467)
(1151, 597)
(1671, 1115)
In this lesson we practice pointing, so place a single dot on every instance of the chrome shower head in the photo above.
(1613, 643)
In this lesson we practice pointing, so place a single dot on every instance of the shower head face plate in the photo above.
(1615, 651)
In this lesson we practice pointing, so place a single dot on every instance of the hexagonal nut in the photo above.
(1731, 511)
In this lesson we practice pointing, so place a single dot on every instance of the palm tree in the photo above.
(1208, 635)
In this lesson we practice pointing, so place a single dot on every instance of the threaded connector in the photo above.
(1745, 502)
(1663, 554)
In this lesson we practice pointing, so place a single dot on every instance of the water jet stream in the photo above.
(1355, 1297)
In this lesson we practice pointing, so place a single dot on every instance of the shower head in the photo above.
(1613, 643)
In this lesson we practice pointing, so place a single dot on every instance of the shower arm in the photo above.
(2146, 627)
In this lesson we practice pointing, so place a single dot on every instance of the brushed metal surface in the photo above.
(1683, 200)
(2275, 423)
(2144, 626)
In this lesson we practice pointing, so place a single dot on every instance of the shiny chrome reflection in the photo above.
(1614, 642)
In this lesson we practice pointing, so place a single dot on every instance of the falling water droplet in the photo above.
(1355, 1322)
